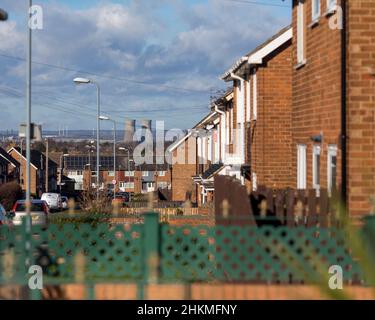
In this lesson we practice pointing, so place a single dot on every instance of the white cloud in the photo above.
(129, 42)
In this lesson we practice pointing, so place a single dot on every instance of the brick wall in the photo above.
(317, 98)
(271, 146)
(33, 172)
(316, 93)
(361, 105)
(184, 168)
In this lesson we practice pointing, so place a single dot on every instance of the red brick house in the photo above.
(262, 82)
(9, 167)
(333, 123)
(37, 171)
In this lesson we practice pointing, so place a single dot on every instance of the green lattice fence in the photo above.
(152, 251)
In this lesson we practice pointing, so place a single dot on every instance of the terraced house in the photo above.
(262, 85)
(333, 123)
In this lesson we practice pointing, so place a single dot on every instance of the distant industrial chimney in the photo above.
(38, 133)
(129, 130)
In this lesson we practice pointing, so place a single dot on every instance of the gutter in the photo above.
(343, 106)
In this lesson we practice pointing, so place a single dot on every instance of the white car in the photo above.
(53, 200)
(38, 212)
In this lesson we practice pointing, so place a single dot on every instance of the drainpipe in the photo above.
(242, 143)
(343, 106)
(222, 132)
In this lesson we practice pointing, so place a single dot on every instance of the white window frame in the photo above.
(161, 173)
(332, 152)
(254, 181)
(111, 173)
(209, 148)
(315, 14)
(301, 167)
(129, 173)
(301, 59)
(231, 125)
(248, 100)
(316, 173)
(331, 5)
(145, 173)
(255, 96)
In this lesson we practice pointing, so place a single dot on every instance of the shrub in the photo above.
(9, 193)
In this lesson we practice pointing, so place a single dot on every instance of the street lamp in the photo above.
(80, 81)
(3, 15)
(61, 168)
(104, 118)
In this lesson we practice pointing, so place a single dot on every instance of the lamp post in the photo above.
(104, 118)
(28, 113)
(61, 168)
(88, 81)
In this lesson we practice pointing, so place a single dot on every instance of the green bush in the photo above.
(9, 193)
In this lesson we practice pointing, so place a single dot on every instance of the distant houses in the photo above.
(300, 112)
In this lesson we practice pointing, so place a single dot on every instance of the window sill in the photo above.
(314, 23)
(330, 12)
(300, 65)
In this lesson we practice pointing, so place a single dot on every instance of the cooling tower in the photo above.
(38, 133)
(129, 130)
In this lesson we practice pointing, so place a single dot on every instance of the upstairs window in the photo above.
(315, 10)
(144, 173)
(331, 5)
(301, 38)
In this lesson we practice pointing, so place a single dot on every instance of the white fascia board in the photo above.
(226, 76)
(258, 56)
(177, 143)
(22, 157)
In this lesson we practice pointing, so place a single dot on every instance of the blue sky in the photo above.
(157, 60)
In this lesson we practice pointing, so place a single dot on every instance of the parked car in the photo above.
(38, 211)
(53, 200)
(64, 202)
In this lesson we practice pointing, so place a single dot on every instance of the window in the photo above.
(315, 10)
(144, 173)
(301, 166)
(254, 181)
(129, 173)
(162, 185)
(248, 95)
(301, 33)
(332, 167)
(126, 185)
(331, 5)
(255, 93)
(161, 173)
(316, 167)
(111, 173)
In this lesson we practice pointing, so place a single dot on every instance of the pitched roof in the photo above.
(38, 159)
(6, 157)
(288, 31)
